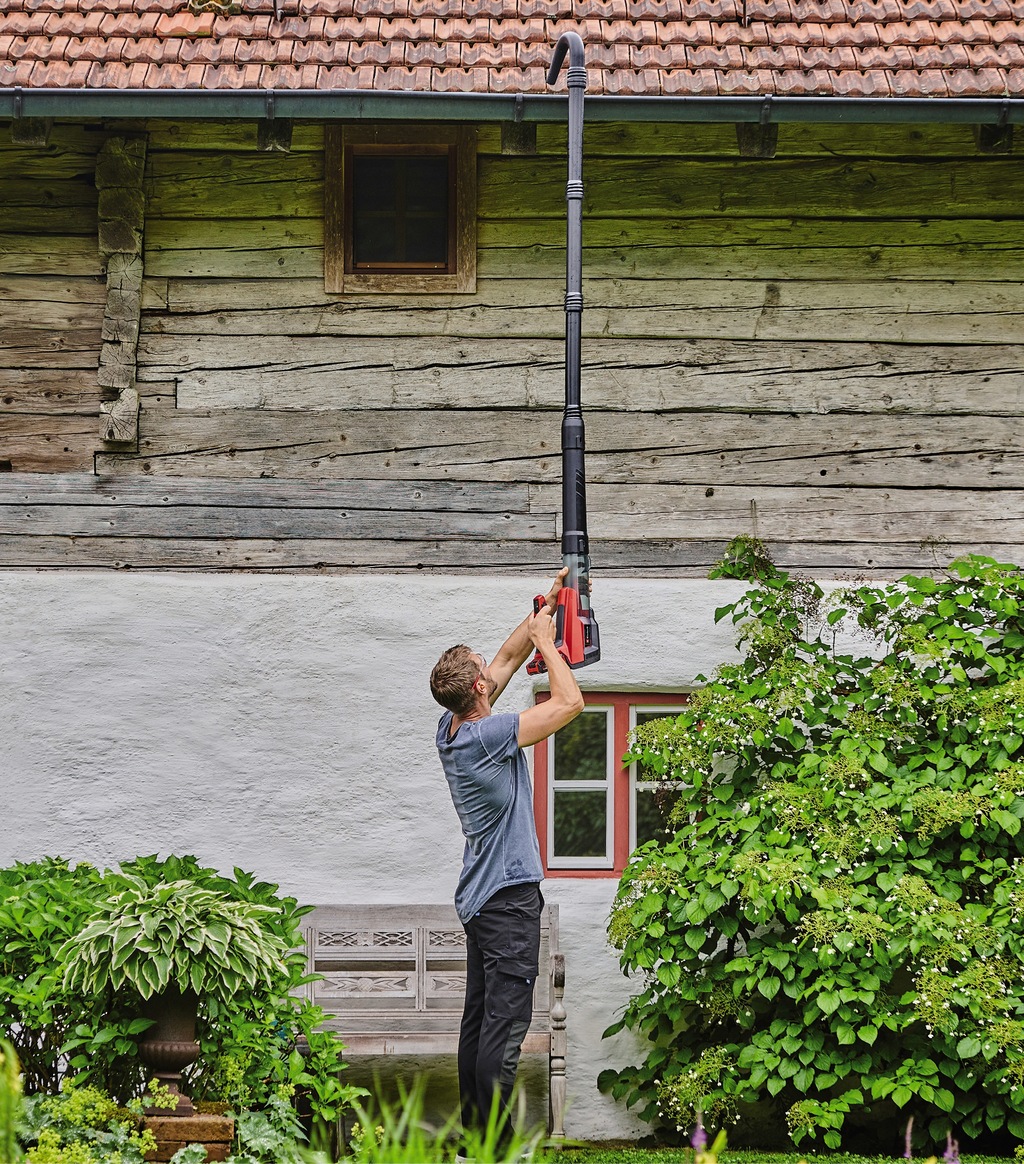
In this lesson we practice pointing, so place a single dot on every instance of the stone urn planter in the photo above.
(169, 1046)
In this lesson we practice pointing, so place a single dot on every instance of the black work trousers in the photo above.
(502, 950)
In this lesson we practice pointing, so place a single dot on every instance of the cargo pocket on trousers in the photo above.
(512, 997)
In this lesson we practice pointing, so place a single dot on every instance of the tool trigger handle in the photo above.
(538, 602)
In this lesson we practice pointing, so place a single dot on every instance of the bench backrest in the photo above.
(395, 969)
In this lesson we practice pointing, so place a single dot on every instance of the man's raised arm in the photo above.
(566, 702)
(517, 647)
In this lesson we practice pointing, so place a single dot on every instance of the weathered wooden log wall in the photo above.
(823, 349)
(52, 295)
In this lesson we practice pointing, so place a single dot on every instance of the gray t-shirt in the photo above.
(490, 786)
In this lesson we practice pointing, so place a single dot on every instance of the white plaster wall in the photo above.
(284, 724)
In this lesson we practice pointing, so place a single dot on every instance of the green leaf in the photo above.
(902, 1095)
(828, 1001)
(769, 987)
(668, 974)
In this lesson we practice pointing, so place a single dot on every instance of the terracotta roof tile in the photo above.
(688, 82)
(866, 83)
(321, 52)
(524, 31)
(514, 80)
(785, 47)
(455, 81)
(345, 77)
(686, 32)
(633, 32)
(488, 56)
(664, 11)
(930, 10)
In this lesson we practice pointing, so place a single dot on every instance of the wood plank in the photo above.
(48, 444)
(683, 558)
(45, 393)
(220, 136)
(43, 288)
(514, 445)
(799, 310)
(626, 248)
(70, 152)
(52, 220)
(48, 315)
(620, 138)
(18, 489)
(439, 372)
(210, 248)
(251, 186)
(73, 196)
(752, 188)
(679, 139)
(252, 521)
(25, 347)
(808, 514)
(241, 136)
(742, 248)
(241, 186)
(52, 254)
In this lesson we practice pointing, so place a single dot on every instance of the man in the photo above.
(498, 898)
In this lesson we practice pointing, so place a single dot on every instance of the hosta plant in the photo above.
(149, 936)
(834, 929)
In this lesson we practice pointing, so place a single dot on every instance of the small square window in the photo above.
(400, 209)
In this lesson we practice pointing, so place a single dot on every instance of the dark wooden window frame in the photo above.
(623, 780)
(339, 143)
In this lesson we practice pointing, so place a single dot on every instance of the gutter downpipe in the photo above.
(335, 105)
(575, 540)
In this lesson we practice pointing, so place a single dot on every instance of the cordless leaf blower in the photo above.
(576, 633)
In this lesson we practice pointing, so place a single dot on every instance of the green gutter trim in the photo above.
(351, 105)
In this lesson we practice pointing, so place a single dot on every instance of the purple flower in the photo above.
(699, 1139)
(952, 1153)
(908, 1153)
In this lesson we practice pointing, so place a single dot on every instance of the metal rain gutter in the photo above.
(354, 105)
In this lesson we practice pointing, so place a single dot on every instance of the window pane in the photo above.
(400, 209)
(581, 748)
(580, 823)
(642, 717)
(651, 819)
(426, 184)
(375, 181)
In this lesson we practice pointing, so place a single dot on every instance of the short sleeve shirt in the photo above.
(489, 781)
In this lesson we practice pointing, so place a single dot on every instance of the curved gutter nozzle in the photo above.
(571, 43)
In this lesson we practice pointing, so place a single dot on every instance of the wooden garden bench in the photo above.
(394, 979)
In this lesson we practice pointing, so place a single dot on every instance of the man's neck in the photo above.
(480, 711)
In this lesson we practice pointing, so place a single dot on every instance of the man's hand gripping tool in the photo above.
(576, 634)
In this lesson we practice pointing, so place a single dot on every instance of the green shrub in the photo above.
(42, 904)
(83, 1125)
(82, 948)
(835, 927)
(10, 1103)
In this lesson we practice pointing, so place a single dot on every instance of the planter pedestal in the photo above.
(174, 1132)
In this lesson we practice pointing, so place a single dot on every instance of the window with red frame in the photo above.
(592, 810)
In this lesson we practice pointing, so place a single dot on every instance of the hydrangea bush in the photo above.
(833, 925)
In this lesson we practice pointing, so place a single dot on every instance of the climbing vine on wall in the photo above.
(835, 925)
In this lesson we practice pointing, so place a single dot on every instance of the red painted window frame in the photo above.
(620, 702)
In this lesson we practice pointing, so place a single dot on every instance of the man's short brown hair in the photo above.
(452, 679)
